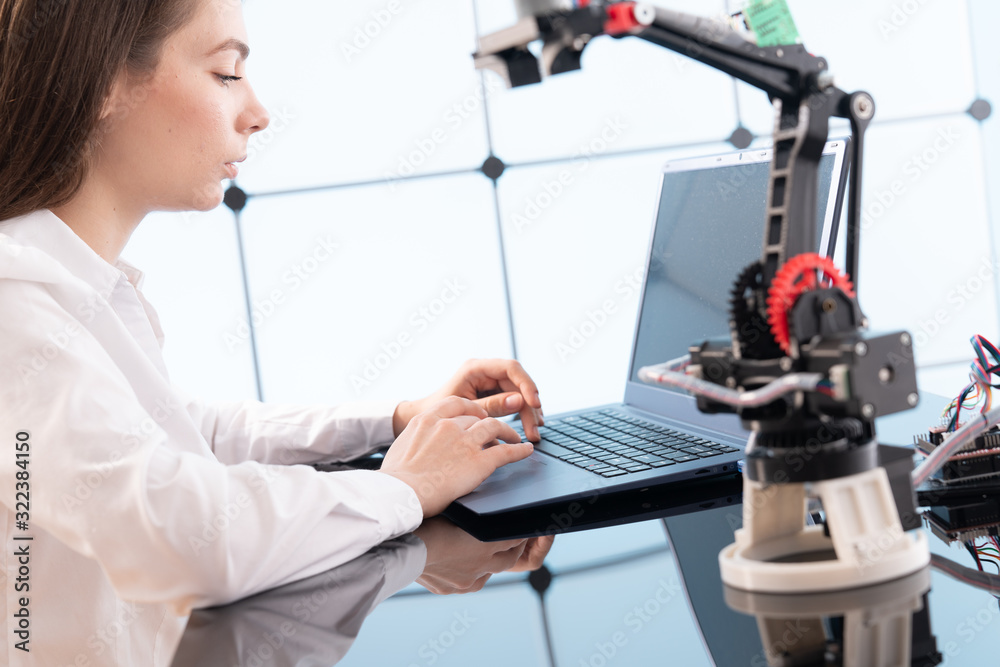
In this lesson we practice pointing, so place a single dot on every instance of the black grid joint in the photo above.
(980, 109)
(741, 137)
(540, 580)
(493, 167)
(235, 198)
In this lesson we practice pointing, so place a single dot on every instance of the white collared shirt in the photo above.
(143, 501)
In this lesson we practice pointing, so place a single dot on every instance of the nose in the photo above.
(256, 117)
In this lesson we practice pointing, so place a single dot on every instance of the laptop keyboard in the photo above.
(610, 443)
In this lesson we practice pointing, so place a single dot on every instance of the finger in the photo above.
(487, 430)
(530, 423)
(510, 375)
(454, 406)
(502, 454)
(535, 553)
(504, 560)
(501, 405)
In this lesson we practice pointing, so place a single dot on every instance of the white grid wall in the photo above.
(376, 255)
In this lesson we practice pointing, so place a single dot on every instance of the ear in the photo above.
(116, 103)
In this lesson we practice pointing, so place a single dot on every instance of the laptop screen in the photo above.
(709, 226)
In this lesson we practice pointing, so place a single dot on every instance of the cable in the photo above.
(982, 580)
(660, 374)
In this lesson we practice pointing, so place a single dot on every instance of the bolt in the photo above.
(868, 410)
(644, 14)
(785, 364)
(905, 339)
(780, 53)
(885, 375)
(829, 306)
(731, 382)
(863, 106)
(861, 349)
(913, 399)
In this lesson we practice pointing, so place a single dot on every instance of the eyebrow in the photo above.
(232, 43)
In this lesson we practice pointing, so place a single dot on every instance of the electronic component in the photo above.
(977, 460)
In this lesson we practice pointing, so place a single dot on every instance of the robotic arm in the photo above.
(798, 368)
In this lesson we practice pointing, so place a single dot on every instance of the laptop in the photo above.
(709, 225)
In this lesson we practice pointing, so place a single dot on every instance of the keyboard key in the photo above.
(614, 473)
(636, 467)
(647, 458)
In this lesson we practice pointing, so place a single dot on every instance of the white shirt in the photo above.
(310, 622)
(145, 502)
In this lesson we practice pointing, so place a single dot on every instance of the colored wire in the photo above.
(982, 580)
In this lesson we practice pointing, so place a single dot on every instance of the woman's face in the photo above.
(170, 140)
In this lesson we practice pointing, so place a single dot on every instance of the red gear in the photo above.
(798, 275)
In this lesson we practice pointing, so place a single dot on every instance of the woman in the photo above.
(126, 502)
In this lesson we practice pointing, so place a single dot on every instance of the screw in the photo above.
(861, 349)
(868, 410)
(863, 106)
(885, 375)
(912, 399)
(905, 339)
(785, 364)
(731, 382)
(829, 306)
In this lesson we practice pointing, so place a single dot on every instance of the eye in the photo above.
(227, 79)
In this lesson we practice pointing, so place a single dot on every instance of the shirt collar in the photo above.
(45, 231)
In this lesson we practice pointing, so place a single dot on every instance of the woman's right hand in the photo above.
(459, 563)
(449, 449)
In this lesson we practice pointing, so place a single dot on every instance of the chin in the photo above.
(207, 198)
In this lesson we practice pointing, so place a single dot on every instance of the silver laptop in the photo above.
(709, 226)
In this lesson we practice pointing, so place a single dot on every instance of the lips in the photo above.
(232, 170)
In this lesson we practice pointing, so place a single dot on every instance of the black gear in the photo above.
(748, 316)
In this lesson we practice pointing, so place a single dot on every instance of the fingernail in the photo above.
(512, 402)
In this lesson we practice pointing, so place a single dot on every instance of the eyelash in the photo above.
(226, 79)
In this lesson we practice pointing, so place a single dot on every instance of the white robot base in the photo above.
(776, 551)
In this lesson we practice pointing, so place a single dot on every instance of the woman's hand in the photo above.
(459, 563)
(500, 386)
(448, 450)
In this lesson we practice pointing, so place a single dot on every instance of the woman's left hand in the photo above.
(501, 386)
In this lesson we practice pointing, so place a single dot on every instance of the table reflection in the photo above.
(316, 620)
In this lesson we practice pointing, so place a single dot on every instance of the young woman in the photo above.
(126, 502)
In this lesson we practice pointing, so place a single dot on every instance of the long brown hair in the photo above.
(58, 61)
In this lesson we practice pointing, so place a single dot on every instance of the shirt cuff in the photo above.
(394, 505)
(380, 412)
(405, 560)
